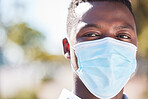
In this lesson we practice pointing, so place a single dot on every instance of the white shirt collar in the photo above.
(66, 94)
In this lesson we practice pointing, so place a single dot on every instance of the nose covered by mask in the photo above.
(105, 65)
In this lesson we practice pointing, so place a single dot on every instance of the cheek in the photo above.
(74, 61)
(134, 41)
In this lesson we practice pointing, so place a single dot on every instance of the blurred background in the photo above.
(32, 65)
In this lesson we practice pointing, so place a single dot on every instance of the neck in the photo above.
(81, 91)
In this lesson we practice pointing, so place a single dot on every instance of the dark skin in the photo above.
(104, 19)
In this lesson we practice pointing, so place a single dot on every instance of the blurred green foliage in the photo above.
(31, 41)
(28, 39)
(24, 36)
(145, 93)
(46, 78)
(141, 13)
(24, 94)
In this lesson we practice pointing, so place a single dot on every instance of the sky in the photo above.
(51, 16)
(46, 16)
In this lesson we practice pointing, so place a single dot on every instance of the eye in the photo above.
(92, 34)
(123, 36)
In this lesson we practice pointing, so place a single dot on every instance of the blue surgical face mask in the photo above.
(105, 65)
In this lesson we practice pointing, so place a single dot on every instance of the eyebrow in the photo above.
(127, 26)
(91, 25)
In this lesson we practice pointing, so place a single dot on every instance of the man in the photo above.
(101, 45)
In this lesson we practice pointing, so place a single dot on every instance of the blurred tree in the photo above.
(25, 94)
(141, 12)
(24, 35)
(30, 40)
(2, 27)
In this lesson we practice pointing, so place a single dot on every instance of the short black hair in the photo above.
(72, 16)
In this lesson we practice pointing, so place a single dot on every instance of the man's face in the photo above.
(103, 19)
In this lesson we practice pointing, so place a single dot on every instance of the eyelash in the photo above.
(95, 35)
(122, 35)
(91, 34)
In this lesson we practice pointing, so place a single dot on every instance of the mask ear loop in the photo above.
(70, 43)
(72, 66)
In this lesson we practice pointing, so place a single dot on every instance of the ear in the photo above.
(66, 48)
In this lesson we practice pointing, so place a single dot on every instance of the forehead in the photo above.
(101, 11)
(109, 11)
